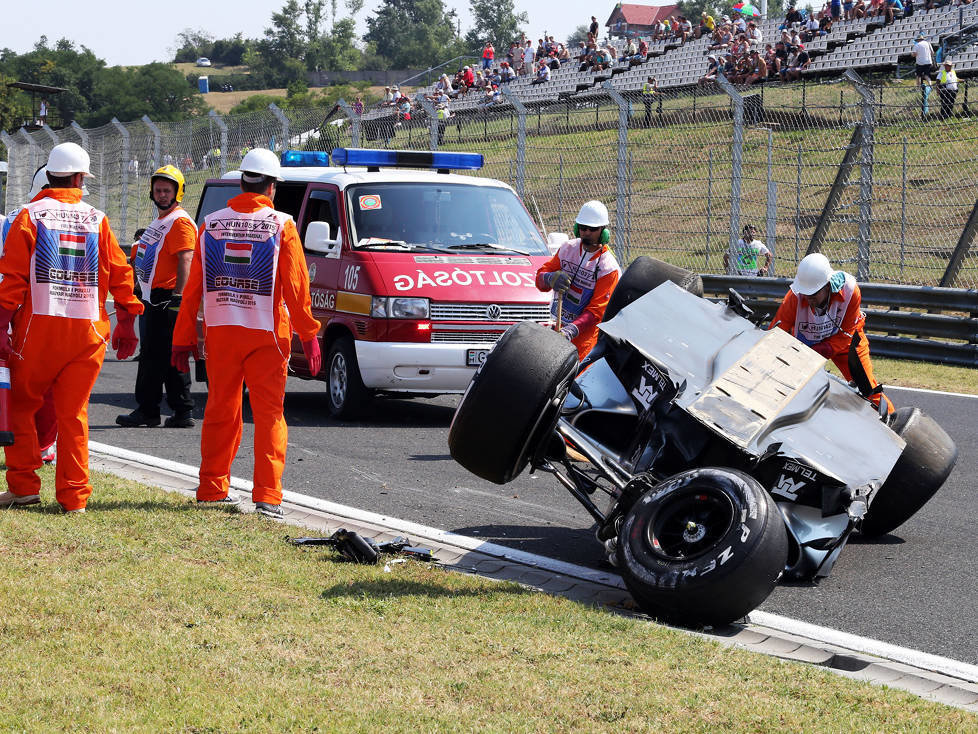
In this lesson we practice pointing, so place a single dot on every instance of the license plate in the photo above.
(475, 357)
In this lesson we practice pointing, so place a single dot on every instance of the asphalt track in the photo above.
(914, 588)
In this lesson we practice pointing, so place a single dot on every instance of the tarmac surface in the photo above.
(914, 588)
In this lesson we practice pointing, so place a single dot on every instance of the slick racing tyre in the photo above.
(705, 547)
(513, 402)
(922, 468)
(644, 274)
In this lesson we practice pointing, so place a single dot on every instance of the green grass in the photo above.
(904, 373)
(146, 614)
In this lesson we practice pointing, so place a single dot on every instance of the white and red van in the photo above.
(415, 271)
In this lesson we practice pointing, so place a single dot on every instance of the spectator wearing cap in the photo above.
(712, 67)
(780, 59)
(707, 25)
(650, 91)
(799, 63)
(468, 76)
(630, 51)
(542, 73)
(480, 80)
(947, 88)
(643, 50)
(388, 96)
(506, 73)
(923, 53)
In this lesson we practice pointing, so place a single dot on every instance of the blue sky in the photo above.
(138, 32)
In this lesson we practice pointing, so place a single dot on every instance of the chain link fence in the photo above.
(872, 175)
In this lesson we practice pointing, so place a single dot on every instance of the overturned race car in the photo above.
(728, 456)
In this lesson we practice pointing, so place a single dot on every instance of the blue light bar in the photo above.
(407, 159)
(293, 158)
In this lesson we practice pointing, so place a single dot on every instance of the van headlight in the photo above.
(398, 308)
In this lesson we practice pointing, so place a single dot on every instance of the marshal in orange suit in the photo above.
(250, 274)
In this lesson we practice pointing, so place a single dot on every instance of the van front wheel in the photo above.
(347, 394)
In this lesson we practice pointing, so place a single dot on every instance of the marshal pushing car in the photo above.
(728, 456)
(415, 271)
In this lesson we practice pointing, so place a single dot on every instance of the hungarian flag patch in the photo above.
(72, 245)
(237, 253)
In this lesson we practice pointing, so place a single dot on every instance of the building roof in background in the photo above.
(643, 15)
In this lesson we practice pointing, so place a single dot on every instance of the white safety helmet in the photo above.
(593, 214)
(39, 182)
(68, 158)
(261, 162)
(814, 271)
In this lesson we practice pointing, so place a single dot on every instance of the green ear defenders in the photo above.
(605, 234)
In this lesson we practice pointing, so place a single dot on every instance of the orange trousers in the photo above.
(862, 351)
(237, 355)
(46, 422)
(63, 357)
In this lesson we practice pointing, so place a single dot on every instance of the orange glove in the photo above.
(124, 340)
(314, 355)
(180, 357)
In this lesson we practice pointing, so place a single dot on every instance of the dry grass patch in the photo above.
(147, 614)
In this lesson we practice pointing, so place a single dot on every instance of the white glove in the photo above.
(558, 280)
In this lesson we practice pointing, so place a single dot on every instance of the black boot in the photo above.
(137, 418)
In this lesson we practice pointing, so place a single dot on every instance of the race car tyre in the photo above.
(644, 274)
(512, 403)
(922, 468)
(347, 395)
(704, 547)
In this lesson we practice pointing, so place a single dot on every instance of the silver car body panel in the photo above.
(757, 388)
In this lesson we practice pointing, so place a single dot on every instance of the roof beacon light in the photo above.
(406, 159)
(294, 158)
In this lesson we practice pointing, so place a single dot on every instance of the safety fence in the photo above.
(904, 322)
(878, 177)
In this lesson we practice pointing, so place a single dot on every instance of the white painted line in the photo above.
(932, 392)
(405, 526)
(917, 659)
(826, 635)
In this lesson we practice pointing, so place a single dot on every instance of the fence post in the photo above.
(772, 201)
(822, 226)
(865, 175)
(961, 250)
(737, 157)
(283, 121)
(34, 147)
(82, 135)
(709, 206)
(354, 119)
(520, 137)
(157, 147)
(9, 144)
(622, 235)
(51, 134)
(124, 214)
(432, 119)
(224, 139)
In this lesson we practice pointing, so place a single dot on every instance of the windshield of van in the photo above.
(453, 217)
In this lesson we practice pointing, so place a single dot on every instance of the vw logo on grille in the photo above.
(493, 312)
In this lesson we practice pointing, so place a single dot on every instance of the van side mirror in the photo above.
(319, 238)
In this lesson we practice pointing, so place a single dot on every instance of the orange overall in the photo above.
(255, 356)
(594, 276)
(58, 353)
(845, 327)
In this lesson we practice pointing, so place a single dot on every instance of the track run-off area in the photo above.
(914, 588)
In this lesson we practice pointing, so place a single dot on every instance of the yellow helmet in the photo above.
(171, 173)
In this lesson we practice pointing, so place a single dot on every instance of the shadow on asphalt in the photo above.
(888, 539)
(577, 545)
(311, 409)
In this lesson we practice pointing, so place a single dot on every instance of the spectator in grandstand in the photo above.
(729, 66)
(892, 9)
(629, 52)
(541, 50)
(552, 61)
(811, 30)
(468, 76)
(403, 110)
(494, 77)
(769, 58)
(488, 55)
(444, 84)
(947, 88)
(529, 55)
(754, 35)
(790, 18)
(758, 72)
(643, 50)
(749, 251)
(492, 96)
(799, 63)
(511, 54)
(825, 24)
(480, 80)
(780, 59)
(593, 28)
(739, 24)
(712, 67)
(542, 73)
(707, 25)
(358, 106)
(506, 73)
(563, 55)
(722, 38)
(858, 10)
(923, 53)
